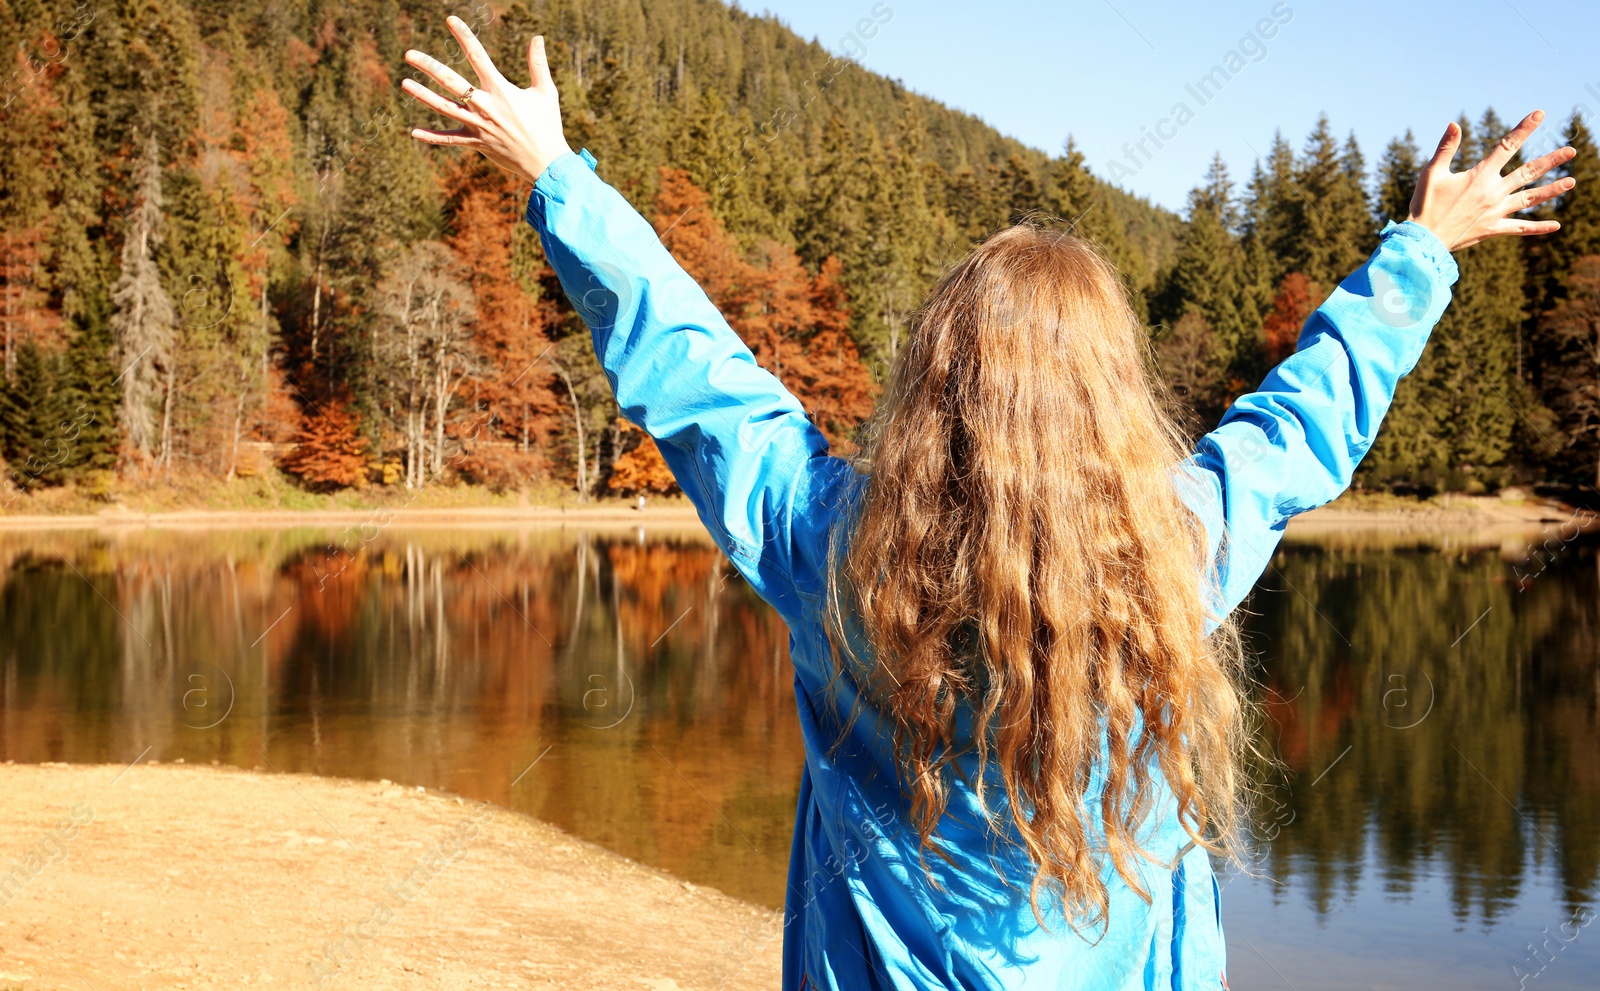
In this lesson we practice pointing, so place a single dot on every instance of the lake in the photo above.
(1433, 820)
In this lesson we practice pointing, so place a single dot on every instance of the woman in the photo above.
(1019, 698)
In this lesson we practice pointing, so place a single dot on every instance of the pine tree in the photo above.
(1333, 235)
(1272, 210)
(1018, 189)
(27, 158)
(1398, 172)
(1551, 262)
(1089, 210)
(833, 219)
(1574, 383)
(613, 120)
(1209, 279)
(91, 399)
(1578, 210)
(1455, 416)
(31, 418)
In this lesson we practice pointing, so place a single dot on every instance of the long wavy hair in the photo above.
(1019, 549)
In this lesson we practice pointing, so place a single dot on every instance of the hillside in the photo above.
(218, 235)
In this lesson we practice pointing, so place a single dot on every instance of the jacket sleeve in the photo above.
(1293, 444)
(739, 444)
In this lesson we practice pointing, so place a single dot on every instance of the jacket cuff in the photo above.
(553, 177)
(1427, 244)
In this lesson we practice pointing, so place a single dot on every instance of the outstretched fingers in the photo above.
(1527, 199)
(438, 104)
(1446, 152)
(1539, 166)
(1524, 228)
(1513, 141)
(539, 63)
(440, 73)
(477, 57)
(460, 136)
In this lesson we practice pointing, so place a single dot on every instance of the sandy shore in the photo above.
(1454, 522)
(205, 877)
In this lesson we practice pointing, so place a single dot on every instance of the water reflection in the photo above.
(1435, 716)
(650, 676)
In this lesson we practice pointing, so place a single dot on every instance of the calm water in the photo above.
(1435, 823)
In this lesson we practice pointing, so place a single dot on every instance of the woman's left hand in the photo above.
(517, 129)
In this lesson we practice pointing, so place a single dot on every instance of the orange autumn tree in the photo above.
(1297, 298)
(514, 400)
(329, 451)
(640, 468)
(795, 323)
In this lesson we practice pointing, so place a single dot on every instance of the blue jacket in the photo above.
(860, 912)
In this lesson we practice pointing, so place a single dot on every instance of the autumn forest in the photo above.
(222, 256)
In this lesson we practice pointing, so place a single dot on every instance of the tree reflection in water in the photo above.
(1433, 717)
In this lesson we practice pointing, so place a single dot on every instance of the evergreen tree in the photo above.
(1089, 210)
(1333, 221)
(1018, 189)
(1579, 210)
(1456, 414)
(1209, 280)
(31, 415)
(1272, 216)
(1398, 172)
(258, 167)
(90, 400)
(1573, 327)
(1543, 353)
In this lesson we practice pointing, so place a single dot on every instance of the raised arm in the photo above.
(739, 444)
(1293, 444)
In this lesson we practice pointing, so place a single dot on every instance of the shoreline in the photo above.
(1443, 514)
(619, 515)
(190, 876)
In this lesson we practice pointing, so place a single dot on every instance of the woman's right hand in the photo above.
(517, 129)
(1463, 208)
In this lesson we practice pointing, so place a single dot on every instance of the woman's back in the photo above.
(1018, 719)
(868, 904)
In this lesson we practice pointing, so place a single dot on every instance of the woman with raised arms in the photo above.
(1018, 686)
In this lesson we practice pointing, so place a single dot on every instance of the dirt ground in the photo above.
(169, 876)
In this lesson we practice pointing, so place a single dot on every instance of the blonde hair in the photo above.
(1019, 548)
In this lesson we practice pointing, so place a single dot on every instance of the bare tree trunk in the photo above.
(238, 420)
(11, 312)
(165, 460)
(577, 421)
(316, 309)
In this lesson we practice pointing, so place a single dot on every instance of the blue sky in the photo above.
(1110, 72)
